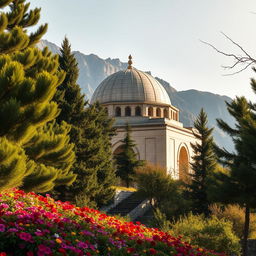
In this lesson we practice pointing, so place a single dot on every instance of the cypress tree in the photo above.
(126, 160)
(28, 81)
(238, 185)
(204, 162)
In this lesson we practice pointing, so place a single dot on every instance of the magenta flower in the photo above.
(4, 206)
(13, 230)
(25, 236)
(2, 227)
(39, 233)
(82, 245)
(44, 249)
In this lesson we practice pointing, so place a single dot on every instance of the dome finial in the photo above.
(130, 62)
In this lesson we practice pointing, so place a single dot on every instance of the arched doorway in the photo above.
(183, 164)
(118, 150)
(124, 178)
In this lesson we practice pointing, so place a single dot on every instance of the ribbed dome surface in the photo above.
(130, 85)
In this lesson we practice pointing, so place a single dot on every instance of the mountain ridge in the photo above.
(93, 70)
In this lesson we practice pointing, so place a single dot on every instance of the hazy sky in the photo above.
(162, 35)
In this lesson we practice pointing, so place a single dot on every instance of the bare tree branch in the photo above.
(245, 60)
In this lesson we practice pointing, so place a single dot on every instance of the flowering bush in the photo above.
(31, 225)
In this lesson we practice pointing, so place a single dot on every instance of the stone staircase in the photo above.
(127, 205)
(146, 217)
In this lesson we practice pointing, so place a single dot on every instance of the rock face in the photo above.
(93, 70)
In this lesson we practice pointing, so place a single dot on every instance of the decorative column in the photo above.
(133, 110)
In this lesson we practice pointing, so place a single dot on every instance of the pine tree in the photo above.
(68, 96)
(91, 132)
(14, 25)
(96, 176)
(28, 81)
(126, 160)
(72, 104)
(238, 185)
(204, 162)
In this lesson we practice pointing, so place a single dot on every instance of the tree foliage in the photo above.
(97, 175)
(127, 160)
(91, 132)
(203, 164)
(28, 81)
(238, 185)
(165, 194)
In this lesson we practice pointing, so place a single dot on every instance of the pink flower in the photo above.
(39, 233)
(25, 236)
(4, 206)
(2, 227)
(13, 230)
(82, 245)
(44, 249)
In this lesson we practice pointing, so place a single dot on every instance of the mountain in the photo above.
(94, 69)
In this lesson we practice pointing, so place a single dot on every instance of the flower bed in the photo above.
(31, 224)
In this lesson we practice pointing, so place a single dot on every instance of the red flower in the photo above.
(3, 254)
(153, 243)
(130, 250)
(139, 241)
(63, 251)
(152, 251)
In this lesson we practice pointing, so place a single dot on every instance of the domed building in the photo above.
(135, 97)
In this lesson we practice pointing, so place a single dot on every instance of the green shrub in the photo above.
(160, 221)
(235, 214)
(212, 233)
(164, 192)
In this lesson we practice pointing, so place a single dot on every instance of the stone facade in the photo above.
(135, 97)
(159, 141)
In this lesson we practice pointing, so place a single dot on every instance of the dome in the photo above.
(131, 85)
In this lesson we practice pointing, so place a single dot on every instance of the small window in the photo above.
(118, 111)
(150, 111)
(137, 111)
(158, 112)
(127, 111)
(106, 110)
(165, 113)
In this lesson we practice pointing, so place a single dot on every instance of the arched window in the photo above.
(165, 113)
(137, 111)
(158, 112)
(127, 111)
(118, 111)
(150, 111)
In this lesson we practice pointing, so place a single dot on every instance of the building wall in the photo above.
(177, 138)
(150, 143)
(159, 145)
